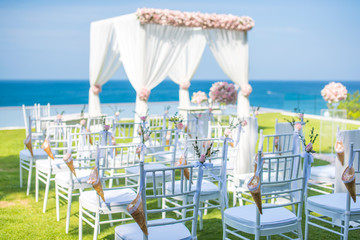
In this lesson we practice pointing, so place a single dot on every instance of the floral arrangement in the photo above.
(334, 92)
(178, 121)
(144, 94)
(96, 89)
(205, 151)
(246, 90)
(309, 146)
(185, 85)
(255, 110)
(223, 92)
(194, 19)
(199, 97)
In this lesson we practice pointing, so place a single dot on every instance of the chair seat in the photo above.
(327, 171)
(57, 165)
(149, 166)
(271, 217)
(38, 154)
(113, 198)
(335, 202)
(207, 187)
(174, 231)
(63, 179)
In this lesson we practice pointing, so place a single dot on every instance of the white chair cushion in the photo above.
(335, 202)
(271, 217)
(327, 171)
(38, 154)
(132, 231)
(113, 197)
(207, 187)
(57, 165)
(149, 166)
(63, 179)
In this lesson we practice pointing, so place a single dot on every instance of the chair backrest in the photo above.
(96, 123)
(29, 111)
(176, 186)
(58, 137)
(84, 144)
(283, 128)
(355, 154)
(197, 124)
(278, 144)
(156, 122)
(124, 131)
(277, 177)
(163, 142)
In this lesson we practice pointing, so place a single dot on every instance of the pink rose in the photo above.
(185, 85)
(179, 125)
(106, 127)
(298, 126)
(58, 116)
(96, 89)
(227, 132)
(243, 123)
(117, 114)
(143, 94)
(138, 149)
(246, 90)
(202, 158)
(83, 122)
(143, 118)
(309, 147)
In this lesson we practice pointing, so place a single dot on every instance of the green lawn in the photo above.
(22, 218)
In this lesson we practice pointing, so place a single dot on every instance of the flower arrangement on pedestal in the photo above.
(199, 97)
(223, 93)
(333, 93)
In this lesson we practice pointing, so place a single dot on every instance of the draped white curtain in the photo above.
(104, 59)
(230, 49)
(185, 66)
(148, 52)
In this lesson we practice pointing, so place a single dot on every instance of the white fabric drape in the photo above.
(230, 50)
(185, 66)
(104, 59)
(148, 52)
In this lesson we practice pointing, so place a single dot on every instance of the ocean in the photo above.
(286, 95)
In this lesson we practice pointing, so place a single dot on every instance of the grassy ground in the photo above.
(22, 218)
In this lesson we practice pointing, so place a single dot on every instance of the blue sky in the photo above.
(291, 40)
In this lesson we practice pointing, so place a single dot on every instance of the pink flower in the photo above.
(227, 132)
(301, 116)
(199, 97)
(309, 147)
(223, 92)
(138, 149)
(202, 158)
(256, 112)
(246, 90)
(58, 116)
(143, 94)
(96, 89)
(334, 92)
(117, 114)
(185, 85)
(143, 118)
(83, 122)
(298, 126)
(243, 123)
(179, 125)
(106, 127)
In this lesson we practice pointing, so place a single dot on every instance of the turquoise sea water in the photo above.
(285, 95)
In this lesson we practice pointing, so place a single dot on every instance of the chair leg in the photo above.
(163, 206)
(80, 221)
(206, 206)
(68, 214)
(47, 187)
(300, 231)
(346, 228)
(268, 237)
(201, 225)
(224, 230)
(96, 225)
(37, 185)
(29, 177)
(307, 224)
(110, 218)
(234, 198)
(57, 202)
(111, 180)
(20, 171)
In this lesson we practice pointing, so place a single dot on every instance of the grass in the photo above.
(22, 218)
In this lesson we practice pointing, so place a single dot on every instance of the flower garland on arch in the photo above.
(194, 19)
(144, 94)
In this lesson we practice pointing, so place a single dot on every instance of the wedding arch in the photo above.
(152, 44)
